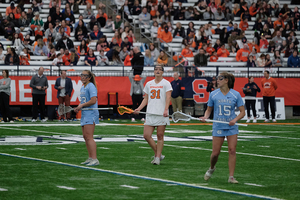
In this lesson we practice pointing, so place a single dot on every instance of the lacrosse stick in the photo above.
(62, 109)
(122, 109)
(179, 116)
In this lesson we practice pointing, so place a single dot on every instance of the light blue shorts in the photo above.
(224, 132)
(85, 120)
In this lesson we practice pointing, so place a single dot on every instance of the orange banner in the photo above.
(21, 92)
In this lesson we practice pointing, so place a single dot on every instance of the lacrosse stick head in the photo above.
(179, 116)
(122, 109)
(62, 109)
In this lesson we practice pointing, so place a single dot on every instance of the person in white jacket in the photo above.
(102, 59)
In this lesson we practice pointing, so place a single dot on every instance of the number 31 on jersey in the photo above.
(155, 94)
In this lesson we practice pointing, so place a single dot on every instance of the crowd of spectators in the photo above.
(273, 39)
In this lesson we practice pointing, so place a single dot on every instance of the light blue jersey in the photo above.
(224, 107)
(89, 116)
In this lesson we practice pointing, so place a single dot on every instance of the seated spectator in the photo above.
(279, 22)
(189, 13)
(179, 31)
(254, 53)
(52, 53)
(165, 37)
(116, 60)
(11, 57)
(292, 38)
(102, 59)
(113, 43)
(123, 53)
(18, 13)
(109, 23)
(263, 44)
(24, 21)
(294, 60)
(250, 61)
(217, 45)
(38, 31)
(154, 52)
(110, 53)
(266, 31)
(126, 43)
(101, 18)
(75, 6)
(64, 43)
(51, 31)
(49, 21)
(236, 10)
(154, 29)
(127, 61)
(186, 52)
(58, 60)
(236, 29)
(11, 9)
(81, 31)
(144, 17)
(162, 59)
(210, 49)
(192, 40)
(272, 47)
(277, 60)
(208, 15)
(283, 46)
(219, 15)
(11, 18)
(230, 27)
(66, 28)
(223, 52)
(68, 24)
(258, 25)
(17, 41)
(118, 38)
(207, 30)
(268, 63)
(229, 16)
(90, 58)
(57, 16)
(214, 57)
(278, 39)
(136, 9)
(289, 50)
(117, 24)
(69, 15)
(41, 48)
(148, 59)
(253, 10)
(88, 12)
(244, 24)
(102, 44)
(80, 19)
(269, 22)
(36, 6)
(57, 25)
(261, 60)
(200, 59)
(2, 55)
(66, 57)
(37, 20)
(96, 34)
(74, 58)
(83, 48)
(23, 59)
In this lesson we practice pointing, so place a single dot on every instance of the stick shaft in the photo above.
(109, 108)
(211, 120)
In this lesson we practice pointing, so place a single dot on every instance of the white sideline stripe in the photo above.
(129, 186)
(61, 148)
(252, 184)
(145, 177)
(248, 154)
(3, 189)
(28, 130)
(145, 147)
(102, 148)
(65, 187)
(264, 146)
(20, 149)
(56, 124)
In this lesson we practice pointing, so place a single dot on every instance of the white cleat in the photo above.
(156, 161)
(11, 121)
(33, 120)
(267, 121)
(254, 121)
(248, 121)
(208, 173)
(274, 120)
(87, 161)
(132, 120)
(94, 162)
(232, 180)
(43, 120)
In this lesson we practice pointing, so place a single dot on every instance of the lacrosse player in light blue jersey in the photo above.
(224, 101)
(89, 118)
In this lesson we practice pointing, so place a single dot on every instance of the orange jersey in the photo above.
(213, 59)
(210, 50)
(38, 33)
(269, 86)
(278, 23)
(187, 53)
(263, 44)
(66, 59)
(159, 31)
(166, 37)
(9, 10)
(242, 55)
(24, 61)
(252, 11)
(160, 61)
(104, 15)
(223, 53)
(127, 61)
(243, 25)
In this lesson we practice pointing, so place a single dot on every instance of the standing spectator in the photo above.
(11, 57)
(39, 85)
(269, 86)
(64, 88)
(136, 92)
(177, 93)
(294, 60)
(144, 17)
(4, 96)
(250, 90)
(90, 58)
(200, 59)
(137, 62)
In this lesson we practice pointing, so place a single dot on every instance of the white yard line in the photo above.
(3, 189)
(65, 187)
(20, 149)
(145, 147)
(129, 186)
(263, 146)
(252, 184)
(61, 148)
(144, 177)
(103, 148)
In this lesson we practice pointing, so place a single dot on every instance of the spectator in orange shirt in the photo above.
(263, 44)
(253, 10)
(214, 57)
(210, 49)
(222, 52)
(279, 22)
(66, 28)
(66, 57)
(11, 9)
(23, 59)
(269, 86)
(38, 31)
(127, 61)
(165, 37)
(242, 54)
(244, 24)
(162, 59)
(187, 52)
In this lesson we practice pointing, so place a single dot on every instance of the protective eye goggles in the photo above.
(220, 78)
(85, 75)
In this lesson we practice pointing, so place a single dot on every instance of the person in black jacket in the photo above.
(179, 31)
(11, 58)
(137, 62)
(177, 93)
(62, 43)
(250, 90)
(250, 62)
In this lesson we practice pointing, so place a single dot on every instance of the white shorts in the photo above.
(155, 120)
